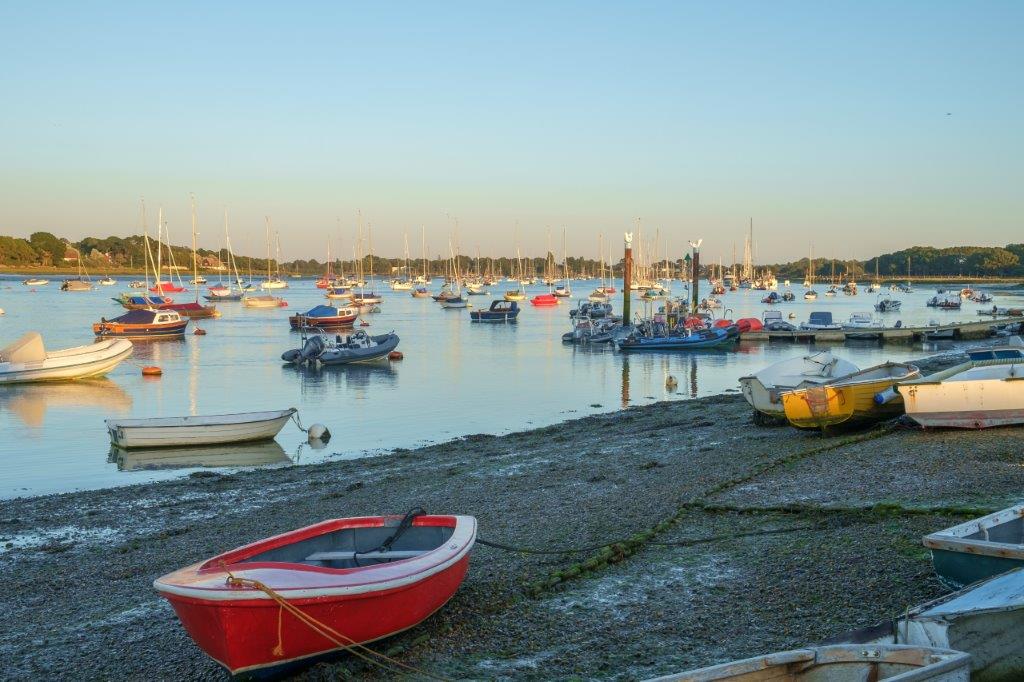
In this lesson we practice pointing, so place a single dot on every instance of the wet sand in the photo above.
(736, 540)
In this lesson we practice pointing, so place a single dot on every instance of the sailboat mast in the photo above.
(266, 220)
(195, 261)
(159, 259)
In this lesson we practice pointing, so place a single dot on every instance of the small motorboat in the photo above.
(166, 287)
(591, 309)
(400, 285)
(820, 321)
(421, 292)
(562, 291)
(350, 348)
(35, 282)
(76, 285)
(136, 284)
(980, 548)
(984, 620)
(976, 394)
(763, 391)
(692, 340)
(342, 582)
(324, 317)
(264, 302)
(981, 297)
(862, 327)
(884, 304)
(199, 280)
(500, 311)
(861, 397)
(945, 302)
(515, 295)
(176, 432)
(788, 296)
(841, 663)
(544, 300)
(28, 360)
(454, 302)
(142, 324)
(810, 295)
(772, 298)
(108, 281)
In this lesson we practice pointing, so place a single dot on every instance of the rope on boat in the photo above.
(359, 650)
(295, 418)
(687, 542)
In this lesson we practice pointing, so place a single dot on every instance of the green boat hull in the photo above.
(959, 569)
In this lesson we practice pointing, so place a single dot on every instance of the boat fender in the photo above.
(886, 396)
(318, 432)
(395, 355)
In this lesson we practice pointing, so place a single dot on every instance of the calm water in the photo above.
(456, 379)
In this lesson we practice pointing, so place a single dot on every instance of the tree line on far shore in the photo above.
(46, 249)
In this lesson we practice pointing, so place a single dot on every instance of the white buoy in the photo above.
(1, 311)
(671, 382)
(319, 432)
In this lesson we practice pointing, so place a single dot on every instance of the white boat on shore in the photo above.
(976, 394)
(171, 432)
(28, 360)
(764, 390)
(840, 663)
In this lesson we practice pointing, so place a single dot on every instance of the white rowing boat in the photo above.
(168, 432)
(28, 360)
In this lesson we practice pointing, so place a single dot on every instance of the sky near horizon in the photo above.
(860, 127)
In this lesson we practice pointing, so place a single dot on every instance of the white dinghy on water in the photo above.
(173, 432)
(764, 390)
(28, 360)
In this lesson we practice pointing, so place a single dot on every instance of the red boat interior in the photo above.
(355, 547)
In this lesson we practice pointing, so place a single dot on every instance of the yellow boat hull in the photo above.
(823, 406)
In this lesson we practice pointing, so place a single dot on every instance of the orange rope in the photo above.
(323, 630)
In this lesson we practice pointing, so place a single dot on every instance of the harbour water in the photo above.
(456, 379)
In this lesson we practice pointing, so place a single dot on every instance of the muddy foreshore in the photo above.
(737, 540)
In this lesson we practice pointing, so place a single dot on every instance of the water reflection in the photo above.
(30, 402)
(359, 376)
(226, 456)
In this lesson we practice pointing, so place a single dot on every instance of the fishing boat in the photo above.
(35, 282)
(984, 620)
(976, 394)
(28, 360)
(763, 391)
(172, 432)
(544, 300)
(691, 340)
(861, 397)
(819, 321)
(500, 311)
(350, 348)
(979, 548)
(840, 663)
(142, 324)
(324, 317)
(267, 453)
(355, 580)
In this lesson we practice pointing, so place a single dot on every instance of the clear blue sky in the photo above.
(826, 122)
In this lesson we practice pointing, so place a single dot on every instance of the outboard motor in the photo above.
(311, 350)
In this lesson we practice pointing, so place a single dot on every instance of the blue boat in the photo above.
(695, 340)
(500, 311)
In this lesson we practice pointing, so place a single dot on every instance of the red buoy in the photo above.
(395, 355)
(151, 371)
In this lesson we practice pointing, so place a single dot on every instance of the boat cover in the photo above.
(135, 317)
(29, 348)
(322, 311)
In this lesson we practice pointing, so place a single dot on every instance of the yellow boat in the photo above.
(858, 398)
(515, 295)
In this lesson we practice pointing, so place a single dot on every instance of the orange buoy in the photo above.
(395, 355)
(199, 332)
(364, 323)
(151, 371)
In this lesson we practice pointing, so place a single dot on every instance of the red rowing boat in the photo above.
(265, 605)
